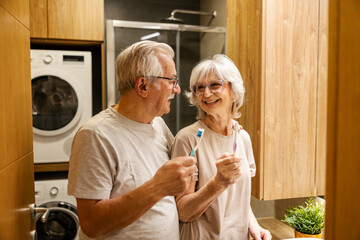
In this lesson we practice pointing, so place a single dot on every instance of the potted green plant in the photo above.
(308, 220)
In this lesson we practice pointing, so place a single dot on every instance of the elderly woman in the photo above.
(217, 206)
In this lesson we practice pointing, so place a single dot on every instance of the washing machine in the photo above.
(62, 222)
(61, 83)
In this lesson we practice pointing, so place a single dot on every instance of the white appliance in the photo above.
(61, 101)
(62, 221)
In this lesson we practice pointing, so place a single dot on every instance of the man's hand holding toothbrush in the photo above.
(175, 176)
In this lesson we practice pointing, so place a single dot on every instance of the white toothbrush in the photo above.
(200, 135)
(236, 129)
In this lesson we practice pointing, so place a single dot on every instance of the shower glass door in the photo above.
(190, 43)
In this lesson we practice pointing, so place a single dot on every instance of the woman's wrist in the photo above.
(220, 181)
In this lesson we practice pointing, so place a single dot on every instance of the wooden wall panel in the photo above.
(15, 90)
(18, 9)
(38, 19)
(80, 20)
(16, 156)
(343, 129)
(322, 98)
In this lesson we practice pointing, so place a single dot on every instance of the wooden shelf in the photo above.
(51, 167)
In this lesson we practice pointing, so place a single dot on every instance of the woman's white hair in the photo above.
(140, 59)
(224, 68)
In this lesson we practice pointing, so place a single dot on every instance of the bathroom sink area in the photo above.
(278, 229)
(301, 239)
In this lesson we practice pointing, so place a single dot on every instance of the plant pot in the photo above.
(303, 235)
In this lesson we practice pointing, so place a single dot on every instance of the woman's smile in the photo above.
(207, 102)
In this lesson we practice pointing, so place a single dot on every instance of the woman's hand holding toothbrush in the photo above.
(228, 169)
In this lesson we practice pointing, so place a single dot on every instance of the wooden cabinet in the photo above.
(67, 19)
(280, 48)
(38, 18)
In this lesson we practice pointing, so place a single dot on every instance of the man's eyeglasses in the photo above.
(173, 80)
(214, 86)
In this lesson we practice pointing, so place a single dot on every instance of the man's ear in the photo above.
(141, 86)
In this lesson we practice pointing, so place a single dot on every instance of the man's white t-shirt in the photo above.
(111, 156)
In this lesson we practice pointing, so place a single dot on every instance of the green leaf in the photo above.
(308, 219)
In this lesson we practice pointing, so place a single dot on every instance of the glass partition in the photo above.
(190, 43)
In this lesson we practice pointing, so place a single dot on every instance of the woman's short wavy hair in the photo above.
(140, 59)
(224, 68)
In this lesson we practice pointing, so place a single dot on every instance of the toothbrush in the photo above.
(236, 129)
(200, 135)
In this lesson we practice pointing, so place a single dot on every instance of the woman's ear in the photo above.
(141, 86)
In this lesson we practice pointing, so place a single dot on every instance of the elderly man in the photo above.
(120, 172)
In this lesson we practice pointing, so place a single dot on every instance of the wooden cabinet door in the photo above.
(290, 37)
(16, 161)
(38, 19)
(76, 19)
(275, 45)
(244, 47)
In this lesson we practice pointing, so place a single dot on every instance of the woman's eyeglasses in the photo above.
(214, 86)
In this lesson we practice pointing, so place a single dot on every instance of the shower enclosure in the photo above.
(190, 43)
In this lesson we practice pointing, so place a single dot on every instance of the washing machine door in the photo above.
(62, 222)
(56, 103)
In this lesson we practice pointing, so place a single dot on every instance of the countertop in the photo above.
(278, 229)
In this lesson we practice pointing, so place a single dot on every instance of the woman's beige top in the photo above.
(228, 216)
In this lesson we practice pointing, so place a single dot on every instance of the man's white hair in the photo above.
(140, 59)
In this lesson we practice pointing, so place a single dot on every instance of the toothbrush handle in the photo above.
(236, 129)
(195, 176)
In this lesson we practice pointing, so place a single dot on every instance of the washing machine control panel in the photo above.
(52, 190)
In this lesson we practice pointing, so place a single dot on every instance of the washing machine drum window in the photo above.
(55, 102)
(62, 223)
